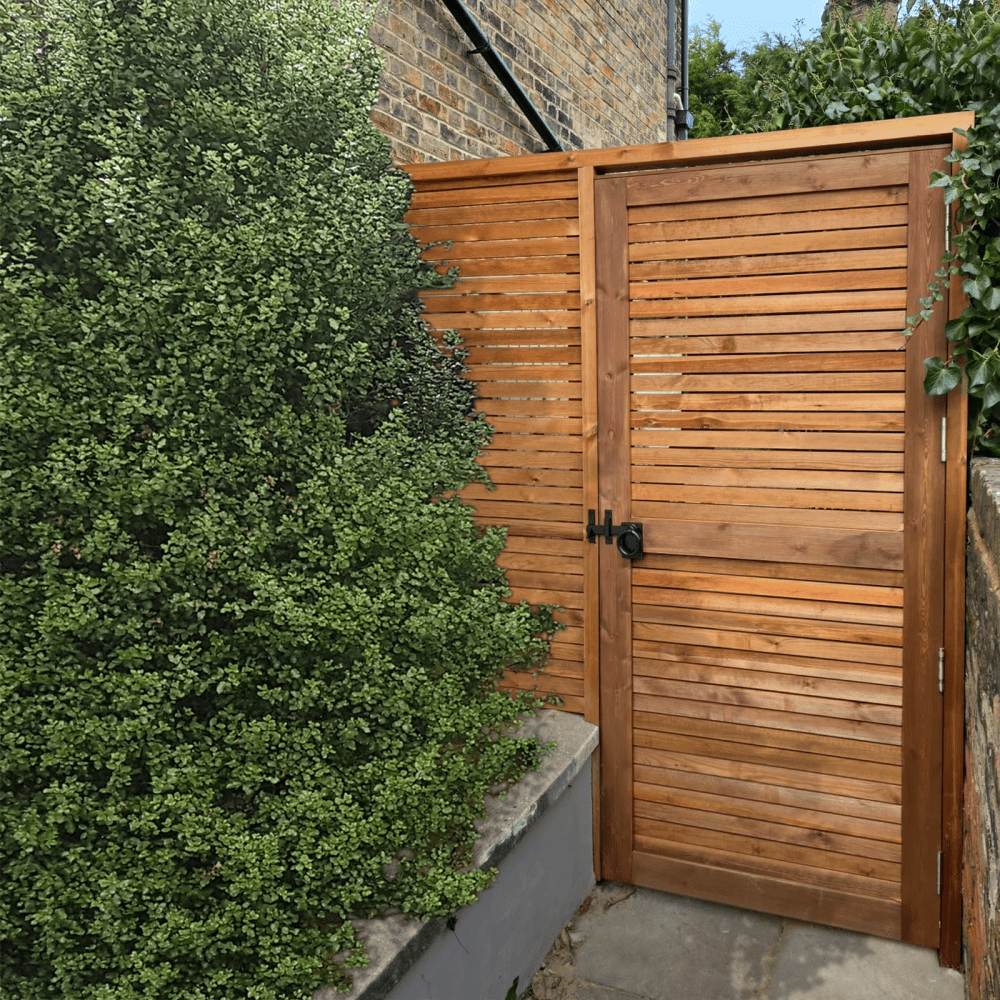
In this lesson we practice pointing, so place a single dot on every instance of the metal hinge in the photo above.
(939, 874)
(940, 671)
(947, 231)
(944, 439)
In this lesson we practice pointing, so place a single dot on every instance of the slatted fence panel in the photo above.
(516, 242)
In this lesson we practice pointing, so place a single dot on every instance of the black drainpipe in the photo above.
(484, 48)
(672, 88)
(688, 119)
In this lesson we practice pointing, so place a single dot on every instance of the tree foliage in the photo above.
(248, 644)
(728, 89)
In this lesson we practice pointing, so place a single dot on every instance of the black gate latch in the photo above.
(629, 534)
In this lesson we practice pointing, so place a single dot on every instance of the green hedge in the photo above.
(248, 645)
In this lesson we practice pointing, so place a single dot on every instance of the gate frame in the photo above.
(857, 137)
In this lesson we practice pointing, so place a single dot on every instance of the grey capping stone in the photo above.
(395, 943)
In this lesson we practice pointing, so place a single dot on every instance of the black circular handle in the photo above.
(630, 541)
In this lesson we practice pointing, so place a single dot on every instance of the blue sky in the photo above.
(743, 22)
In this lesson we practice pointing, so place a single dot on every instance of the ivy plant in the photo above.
(941, 58)
(249, 638)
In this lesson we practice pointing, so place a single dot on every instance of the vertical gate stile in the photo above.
(923, 569)
(591, 582)
(954, 642)
(616, 598)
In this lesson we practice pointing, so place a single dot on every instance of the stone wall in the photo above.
(596, 72)
(981, 869)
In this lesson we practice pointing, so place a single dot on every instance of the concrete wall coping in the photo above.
(395, 943)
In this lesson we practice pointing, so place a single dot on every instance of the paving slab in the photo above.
(627, 943)
(648, 943)
(824, 963)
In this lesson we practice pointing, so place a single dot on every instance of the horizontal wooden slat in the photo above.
(665, 612)
(765, 421)
(829, 499)
(562, 582)
(503, 320)
(526, 389)
(762, 718)
(527, 373)
(806, 479)
(537, 477)
(508, 492)
(775, 570)
(764, 304)
(536, 427)
(827, 242)
(841, 596)
(508, 267)
(555, 547)
(752, 602)
(855, 361)
(492, 284)
(737, 843)
(531, 228)
(715, 183)
(491, 249)
(544, 683)
(781, 440)
(482, 193)
(528, 509)
(731, 458)
(526, 407)
(832, 383)
(770, 204)
(786, 834)
(792, 518)
(884, 816)
(775, 757)
(773, 644)
(856, 343)
(741, 694)
(777, 263)
(784, 890)
(527, 444)
(567, 208)
(789, 221)
(878, 549)
(466, 302)
(804, 667)
(803, 323)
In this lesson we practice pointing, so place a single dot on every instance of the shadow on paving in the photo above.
(626, 943)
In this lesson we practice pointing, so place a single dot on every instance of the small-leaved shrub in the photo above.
(249, 642)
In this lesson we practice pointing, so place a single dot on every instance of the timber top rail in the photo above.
(756, 146)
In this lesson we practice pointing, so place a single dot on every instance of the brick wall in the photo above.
(594, 69)
(981, 874)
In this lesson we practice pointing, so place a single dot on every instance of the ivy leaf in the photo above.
(991, 395)
(979, 372)
(941, 378)
(992, 298)
(954, 330)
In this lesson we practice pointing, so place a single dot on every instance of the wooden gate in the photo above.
(714, 350)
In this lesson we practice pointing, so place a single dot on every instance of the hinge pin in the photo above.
(940, 671)
(944, 439)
